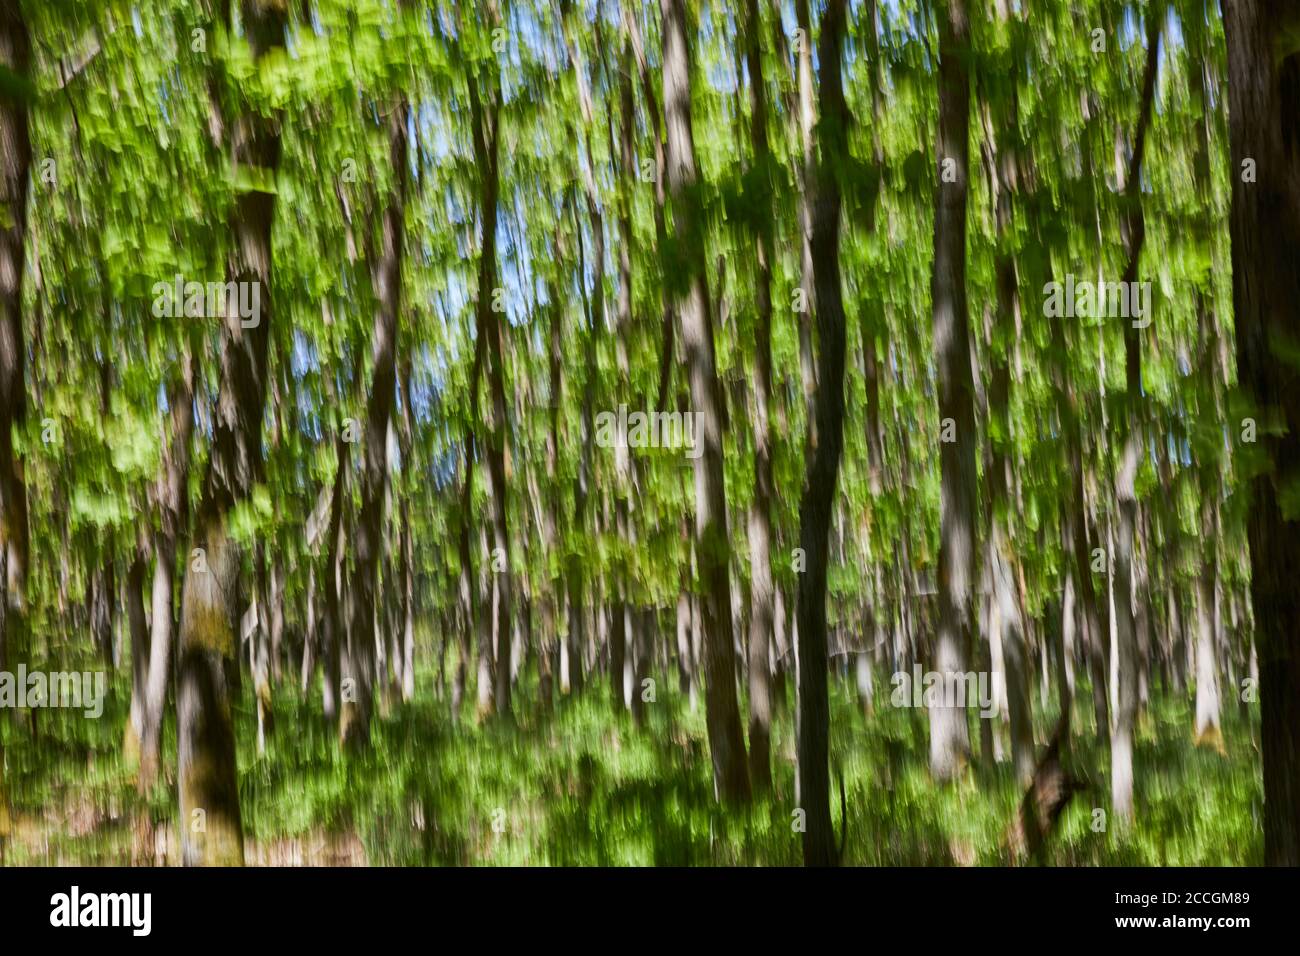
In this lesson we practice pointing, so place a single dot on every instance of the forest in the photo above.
(649, 432)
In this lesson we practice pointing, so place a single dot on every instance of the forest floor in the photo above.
(585, 786)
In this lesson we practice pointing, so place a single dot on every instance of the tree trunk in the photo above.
(15, 163)
(139, 651)
(1126, 625)
(949, 735)
(408, 543)
(1002, 164)
(727, 745)
(807, 170)
(1264, 114)
(367, 544)
(823, 449)
(173, 504)
(488, 323)
(211, 830)
(760, 514)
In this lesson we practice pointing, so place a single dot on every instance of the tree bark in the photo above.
(488, 324)
(139, 650)
(359, 648)
(726, 744)
(15, 163)
(949, 734)
(823, 448)
(760, 514)
(211, 829)
(807, 121)
(1126, 624)
(1264, 121)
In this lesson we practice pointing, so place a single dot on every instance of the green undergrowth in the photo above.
(583, 785)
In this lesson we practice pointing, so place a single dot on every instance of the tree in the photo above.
(484, 117)
(354, 716)
(1126, 661)
(211, 826)
(727, 746)
(824, 446)
(173, 514)
(1264, 113)
(760, 513)
(949, 736)
(15, 160)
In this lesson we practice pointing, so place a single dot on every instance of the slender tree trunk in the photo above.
(135, 578)
(367, 544)
(489, 324)
(1207, 730)
(1126, 629)
(949, 735)
(760, 514)
(333, 622)
(1207, 671)
(310, 635)
(668, 318)
(727, 745)
(1002, 163)
(408, 542)
(807, 118)
(552, 533)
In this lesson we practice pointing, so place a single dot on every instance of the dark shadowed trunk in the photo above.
(1264, 112)
(949, 736)
(823, 449)
(139, 632)
(489, 324)
(15, 162)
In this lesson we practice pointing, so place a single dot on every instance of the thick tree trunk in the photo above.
(726, 743)
(823, 450)
(949, 735)
(15, 163)
(1264, 114)
(211, 830)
